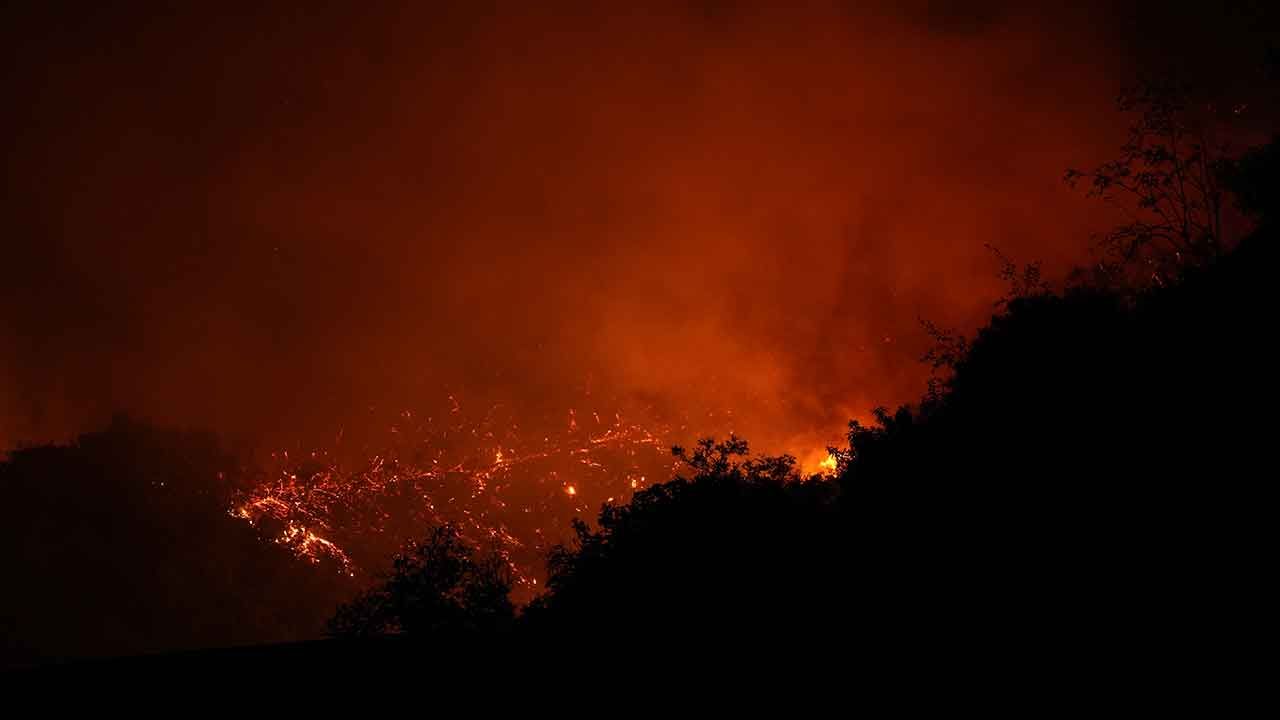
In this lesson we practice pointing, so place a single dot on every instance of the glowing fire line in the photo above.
(513, 499)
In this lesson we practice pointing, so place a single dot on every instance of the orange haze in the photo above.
(267, 222)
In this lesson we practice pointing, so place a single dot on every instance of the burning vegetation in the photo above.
(507, 486)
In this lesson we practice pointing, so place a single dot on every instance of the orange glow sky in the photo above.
(265, 222)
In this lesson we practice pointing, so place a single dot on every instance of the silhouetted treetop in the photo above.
(438, 585)
(738, 545)
(711, 459)
(1167, 180)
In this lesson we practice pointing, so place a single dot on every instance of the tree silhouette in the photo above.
(1167, 180)
(437, 586)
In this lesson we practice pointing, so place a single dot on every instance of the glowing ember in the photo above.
(509, 490)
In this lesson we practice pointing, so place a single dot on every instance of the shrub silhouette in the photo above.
(741, 547)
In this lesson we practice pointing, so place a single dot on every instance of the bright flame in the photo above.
(828, 465)
(818, 461)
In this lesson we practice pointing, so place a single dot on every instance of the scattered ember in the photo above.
(508, 489)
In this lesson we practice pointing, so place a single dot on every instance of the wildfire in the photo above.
(511, 487)
(509, 490)
(828, 465)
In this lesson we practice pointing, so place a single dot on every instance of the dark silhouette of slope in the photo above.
(1092, 474)
(121, 543)
(1094, 471)
(1090, 478)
